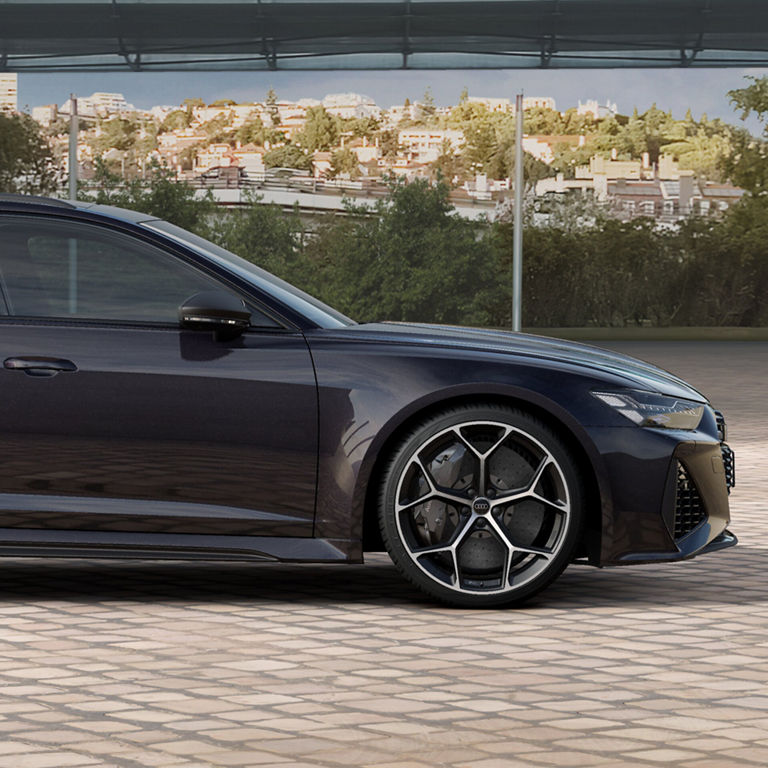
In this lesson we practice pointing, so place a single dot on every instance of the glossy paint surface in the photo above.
(157, 439)
(159, 431)
(370, 383)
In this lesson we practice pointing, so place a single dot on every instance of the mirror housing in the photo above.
(217, 311)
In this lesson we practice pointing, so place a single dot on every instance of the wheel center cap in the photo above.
(481, 506)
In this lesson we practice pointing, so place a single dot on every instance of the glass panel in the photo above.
(301, 302)
(79, 271)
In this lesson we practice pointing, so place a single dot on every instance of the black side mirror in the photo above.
(217, 311)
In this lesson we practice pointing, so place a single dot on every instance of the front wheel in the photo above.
(481, 506)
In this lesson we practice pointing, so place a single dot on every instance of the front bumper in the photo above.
(723, 541)
(669, 494)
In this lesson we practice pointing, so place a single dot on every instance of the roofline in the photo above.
(14, 202)
(8, 197)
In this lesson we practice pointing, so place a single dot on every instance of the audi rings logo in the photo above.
(481, 506)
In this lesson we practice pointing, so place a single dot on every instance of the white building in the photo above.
(238, 113)
(398, 112)
(425, 145)
(46, 114)
(110, 103)
(99, 104)
(492, 104)
(9, 92)
(597, 111)
(348, 105)
(251, 159)
(161, 111)
(540, 102)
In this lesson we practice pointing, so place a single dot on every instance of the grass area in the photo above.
(655, 334)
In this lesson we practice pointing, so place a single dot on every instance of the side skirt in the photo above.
(32, 542)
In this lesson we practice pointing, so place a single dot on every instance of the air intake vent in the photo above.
(729, 462)
(689, 511)
(722, 432)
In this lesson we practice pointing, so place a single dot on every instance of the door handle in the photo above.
(39, 366)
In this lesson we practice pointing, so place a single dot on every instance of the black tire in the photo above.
(481, 506)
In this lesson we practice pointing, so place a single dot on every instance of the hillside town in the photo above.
(645, 164)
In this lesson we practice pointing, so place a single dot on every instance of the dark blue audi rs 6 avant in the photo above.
(164, 398)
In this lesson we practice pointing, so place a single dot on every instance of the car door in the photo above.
(113, 418)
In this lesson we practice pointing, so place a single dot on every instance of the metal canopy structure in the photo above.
(168, 35)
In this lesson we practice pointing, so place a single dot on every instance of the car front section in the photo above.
(669, 491)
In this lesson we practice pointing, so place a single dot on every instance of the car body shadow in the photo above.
(738, 575)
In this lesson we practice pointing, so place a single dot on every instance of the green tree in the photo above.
(361, 127)
(160, 195)
(427, 106)
(252, 131)
(26, 160)
(266, 236)
(543, 121)
(118, 133)
(414, 258)
(450, 167)
(389, 143)
(568, 157)
(344, 161)
(320, 131)
(272, 109)
(481, 144)
(288, 156)
(747, 164)
(702, 153)
(501, 163)
(217, 129)
(175, 121)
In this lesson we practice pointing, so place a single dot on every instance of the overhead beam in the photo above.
(163, 35)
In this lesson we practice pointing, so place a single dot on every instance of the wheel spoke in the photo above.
(482, 456)
(433, 549)
(417, 461)
(513, 548)
(507, 432)
(464, 527)
(558, 506)
(437, 491)
(458, 536)
(545, 462)
(410, 504)
(456, 431)
(545, 553)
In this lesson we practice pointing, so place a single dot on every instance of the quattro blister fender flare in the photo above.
(365, 493)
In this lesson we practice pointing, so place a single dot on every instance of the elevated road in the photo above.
(319, 197)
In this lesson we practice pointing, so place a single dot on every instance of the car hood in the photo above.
(638, 373)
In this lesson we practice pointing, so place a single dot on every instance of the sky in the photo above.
(703, 90)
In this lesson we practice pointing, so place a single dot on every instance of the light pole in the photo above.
(517, 234)
(73, 147)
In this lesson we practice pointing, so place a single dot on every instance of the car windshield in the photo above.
(308, 306)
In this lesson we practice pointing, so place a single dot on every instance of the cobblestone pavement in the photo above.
(198, 665)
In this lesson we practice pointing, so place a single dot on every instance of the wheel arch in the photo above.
(577, 441)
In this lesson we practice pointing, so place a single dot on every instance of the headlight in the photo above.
(647, 409)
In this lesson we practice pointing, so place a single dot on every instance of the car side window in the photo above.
(65, 270)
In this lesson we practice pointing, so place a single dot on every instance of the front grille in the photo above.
(729, 463)
(729, 460)
(689, 511)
